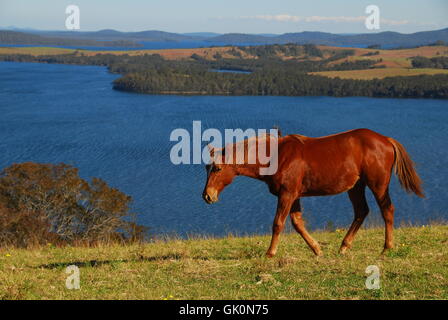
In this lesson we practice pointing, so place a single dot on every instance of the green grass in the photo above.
(235, 268)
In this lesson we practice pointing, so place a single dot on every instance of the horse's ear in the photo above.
(211, 150)
(279, 133)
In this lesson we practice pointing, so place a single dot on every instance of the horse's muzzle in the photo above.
(210, 196)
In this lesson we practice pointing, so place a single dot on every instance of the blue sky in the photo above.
(223, 16)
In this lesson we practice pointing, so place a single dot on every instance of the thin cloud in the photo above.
(334, 19)
(279, 17)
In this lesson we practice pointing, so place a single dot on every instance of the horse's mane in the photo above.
(247, 145)
(299, 137)
(243, 145)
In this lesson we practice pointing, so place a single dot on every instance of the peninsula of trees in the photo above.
(287, 70)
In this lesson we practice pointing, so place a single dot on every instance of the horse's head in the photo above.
(219, 175)
(240, 158)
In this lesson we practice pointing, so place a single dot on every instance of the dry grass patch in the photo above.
(379, 73)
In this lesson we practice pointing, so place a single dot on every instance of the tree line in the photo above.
(436, 62)
(282, 84)
(269, 73)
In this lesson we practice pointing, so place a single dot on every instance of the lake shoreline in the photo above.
(56, 113)
(203, 71)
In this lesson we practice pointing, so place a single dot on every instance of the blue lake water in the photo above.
(149, 45)
(64, 113)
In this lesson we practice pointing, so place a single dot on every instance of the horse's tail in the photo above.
(404, 168)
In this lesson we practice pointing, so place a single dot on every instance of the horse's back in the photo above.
(362, 145)
(334, 163)
(361, 138)
(362, 133)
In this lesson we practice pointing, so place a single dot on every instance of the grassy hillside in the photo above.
(389, 58)
(235, 268)
(391, 63)
(169, 54)
(380, 73)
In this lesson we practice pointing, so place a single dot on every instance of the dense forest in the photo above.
(272, 72)
(285, 84)
(436, 62)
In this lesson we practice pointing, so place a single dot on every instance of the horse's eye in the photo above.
(216, 169)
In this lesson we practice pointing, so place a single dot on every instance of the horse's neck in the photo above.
(251, 171)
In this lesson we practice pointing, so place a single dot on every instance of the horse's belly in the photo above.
(324, 186)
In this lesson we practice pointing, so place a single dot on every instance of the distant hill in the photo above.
(237, 38)
(21, 38)
(386, 39)
(157, 35)
(202, 34)
(110, 34)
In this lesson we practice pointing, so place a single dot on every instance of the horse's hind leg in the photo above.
(387, 210)
(358, 198)
(299, 225)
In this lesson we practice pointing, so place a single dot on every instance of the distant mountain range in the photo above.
(202, 34)
(384, 39)
(109, 36)
(22, 38)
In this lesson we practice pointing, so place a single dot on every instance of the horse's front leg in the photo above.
(299, 225)
(285, 201)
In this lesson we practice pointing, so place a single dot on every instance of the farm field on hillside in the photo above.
(379, 73)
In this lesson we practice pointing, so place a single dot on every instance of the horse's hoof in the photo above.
(317, 251)
(343, 250)
(269, 255)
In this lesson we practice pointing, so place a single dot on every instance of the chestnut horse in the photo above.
(348, 161)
